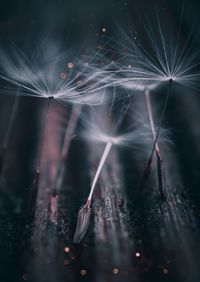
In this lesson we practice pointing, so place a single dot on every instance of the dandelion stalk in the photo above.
(148, 166)
(157, 150)
(37, 171)
(85, 212)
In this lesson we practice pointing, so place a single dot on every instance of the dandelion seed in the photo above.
(84, 212)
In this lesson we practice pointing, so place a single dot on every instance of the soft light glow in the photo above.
(70, 65)
(67, 249)
(83, 272)
(115, 270)
(165, 271)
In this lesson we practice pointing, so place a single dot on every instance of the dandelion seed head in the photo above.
(160, 56)
(39, 73)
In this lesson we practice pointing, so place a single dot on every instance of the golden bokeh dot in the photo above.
(83, 272)
(67, 249)
(70, 65)
(115, 270)
(137, 254)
